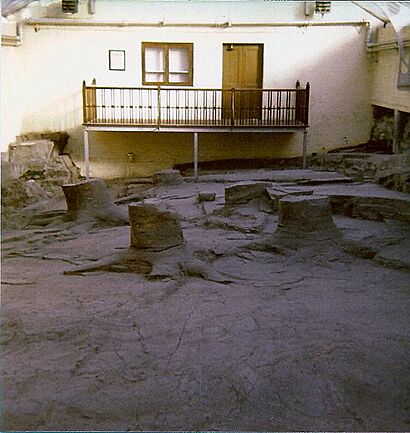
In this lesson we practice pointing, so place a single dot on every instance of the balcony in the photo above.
(145, 108)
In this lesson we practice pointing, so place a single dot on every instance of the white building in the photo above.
(192, 45)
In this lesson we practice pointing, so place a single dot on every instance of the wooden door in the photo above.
(242, 69)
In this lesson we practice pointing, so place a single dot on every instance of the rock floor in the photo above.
(307, 337)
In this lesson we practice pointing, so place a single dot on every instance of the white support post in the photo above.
(396, 132)
(305, 145)
(195, 154)
(86, 154)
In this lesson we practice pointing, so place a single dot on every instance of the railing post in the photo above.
(297, 102)
(396, 131)
(306, 114)
(195, 154)
(159, 107)
(304, 149)
(233, 107)
(86, 154)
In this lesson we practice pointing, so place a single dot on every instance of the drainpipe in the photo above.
(91, 23)
(13, 41)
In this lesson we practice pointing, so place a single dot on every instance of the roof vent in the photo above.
(322, 7)
(69, 6)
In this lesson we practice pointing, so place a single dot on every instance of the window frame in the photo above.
(167, 46)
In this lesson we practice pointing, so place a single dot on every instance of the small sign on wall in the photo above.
(116, 60)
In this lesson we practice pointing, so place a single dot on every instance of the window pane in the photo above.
(178, 60)
(154, 78)
(154, 60)
(178, 78)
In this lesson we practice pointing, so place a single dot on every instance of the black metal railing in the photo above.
(176, 107)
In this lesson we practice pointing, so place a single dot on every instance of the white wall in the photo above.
(55, 60)
(11, 95)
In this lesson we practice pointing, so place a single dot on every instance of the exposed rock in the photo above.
(154, 229)
(395, 256)
(170, 177)
(40, 161)
(11, 171)
(383, 129)
(33, 155)
(90, 199)
(206, 196)
(391, 171)
(59, 139)
(371, 208)
(63, 168)
(395, 173)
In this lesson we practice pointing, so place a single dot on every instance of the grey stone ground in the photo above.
(277, 337)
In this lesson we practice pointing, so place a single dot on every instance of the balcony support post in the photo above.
(195, 154)
(159, 107)
(86, 155)
(396, 131)
(304, 147)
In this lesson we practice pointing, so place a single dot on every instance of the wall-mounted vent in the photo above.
(69, 6)
(322, 7)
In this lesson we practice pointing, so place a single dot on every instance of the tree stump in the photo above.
(301, 216)
(90, 199)
(246, 191)
(167, 177)
(154, 229)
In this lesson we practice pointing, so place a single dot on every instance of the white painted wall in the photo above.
(11, 95)
(52, 63)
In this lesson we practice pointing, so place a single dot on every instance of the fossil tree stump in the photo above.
(168, 177)
(154, 229)
(246, 191)
(301, 216)
(90, 199)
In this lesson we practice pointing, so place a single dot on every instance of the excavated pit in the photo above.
(265, 306)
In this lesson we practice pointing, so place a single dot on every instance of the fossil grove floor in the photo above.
(307, 337)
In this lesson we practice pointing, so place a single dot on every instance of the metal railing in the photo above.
(182, 107)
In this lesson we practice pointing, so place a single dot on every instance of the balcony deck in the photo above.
(156, 109)
(195, 109)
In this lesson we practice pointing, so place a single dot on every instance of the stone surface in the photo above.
(246, 191)
(211, 335)
(170, 177)
(370, 207)
(154, 229)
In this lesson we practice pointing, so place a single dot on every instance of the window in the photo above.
(167, 64)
